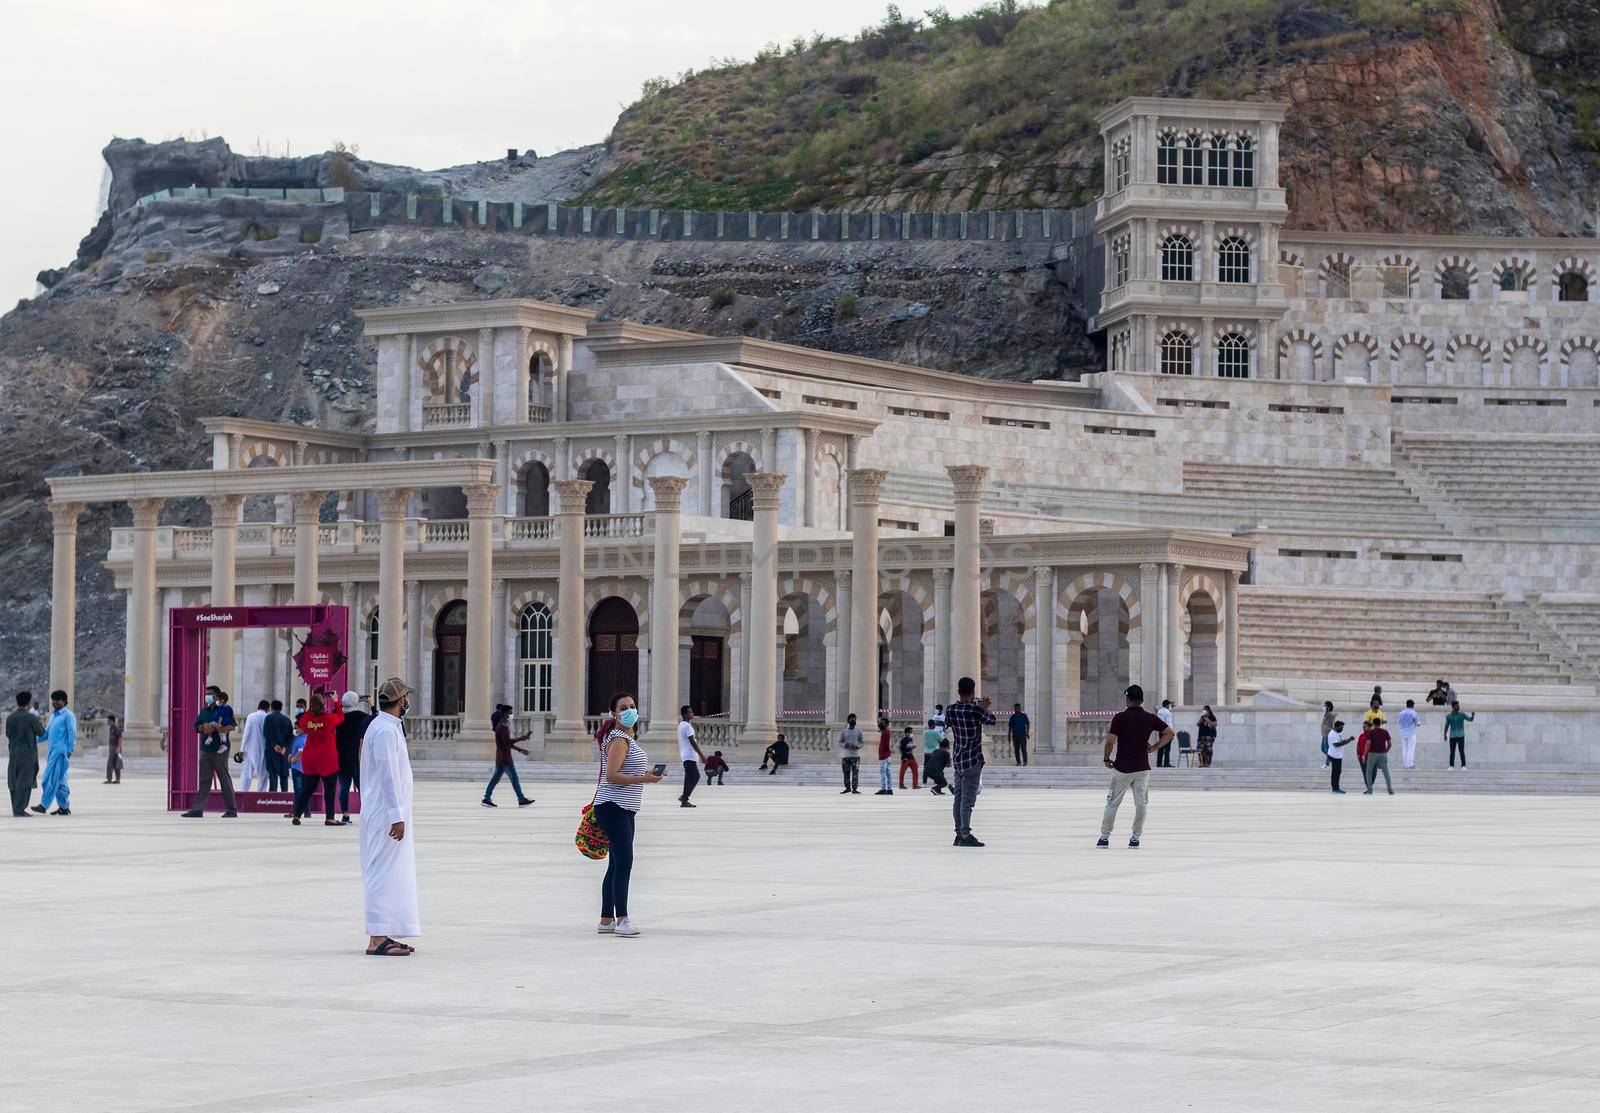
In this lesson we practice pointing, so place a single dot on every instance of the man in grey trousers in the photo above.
(966, 719)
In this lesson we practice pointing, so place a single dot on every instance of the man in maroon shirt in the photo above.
(885, 751)
(503, 764)
(1128, 738)
(1378, 756)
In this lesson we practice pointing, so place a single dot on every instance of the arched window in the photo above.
(1177, 353)
(1193, 160)
(1512, 279)
(1177, 258)
(1121, 165)
(536, 491)
(1244, 163)
(1455, 284)
(373, 680)
(598, 500)
(536, 659)
(1336, 279)
(1119, 260)
(1217, 161)
(1233, 260)
(1167, 158)
(1572, 286)
(1233, 357)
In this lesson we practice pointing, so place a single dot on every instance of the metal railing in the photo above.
(437, 414)
(742, 507)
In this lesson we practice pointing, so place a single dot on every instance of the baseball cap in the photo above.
(392, 689)
(1135, 693)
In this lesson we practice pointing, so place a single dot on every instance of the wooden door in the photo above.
(705, 675)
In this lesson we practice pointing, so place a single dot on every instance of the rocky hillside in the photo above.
(1416, 116)
(1399, 110)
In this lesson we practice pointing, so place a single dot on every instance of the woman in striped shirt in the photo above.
(624, 771)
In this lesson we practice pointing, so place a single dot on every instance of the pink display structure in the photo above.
(323, 662)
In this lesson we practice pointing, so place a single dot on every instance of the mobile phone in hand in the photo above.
(661, 769)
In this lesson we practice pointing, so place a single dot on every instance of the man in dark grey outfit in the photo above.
(23, 731)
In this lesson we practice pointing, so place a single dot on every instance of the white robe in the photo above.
(388, 868)
(254, 749)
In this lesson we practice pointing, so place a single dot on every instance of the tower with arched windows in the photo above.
(1190, 221)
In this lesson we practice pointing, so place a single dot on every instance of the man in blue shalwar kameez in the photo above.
(61, 738)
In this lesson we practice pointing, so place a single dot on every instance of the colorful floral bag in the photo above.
(591, 839)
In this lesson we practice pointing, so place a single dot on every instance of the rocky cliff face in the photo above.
(1425, 117)
(113, 370)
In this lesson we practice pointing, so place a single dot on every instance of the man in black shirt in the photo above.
(279, 734)
(1128, 750)
(347, 740)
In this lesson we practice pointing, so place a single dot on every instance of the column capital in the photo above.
(967, 480)
(347, 587)
(864, 485)
(764, 487)
(300, 451)
(668, 491)
(480, 499)
(1177, 572)
(235, 444)
(1233, 579)
(146, 512)
(484, 334)
(941, 577)
(64, 515)
(392, 503)
(571, 493)
(1042, 571)
(224, 508)
(841, 578)
(306, 505)
(744, 580)
(1148, 569)
(561, 444)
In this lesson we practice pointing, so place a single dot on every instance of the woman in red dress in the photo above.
(319, 761)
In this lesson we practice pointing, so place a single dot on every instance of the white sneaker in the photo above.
(607, 929)
(624, 928)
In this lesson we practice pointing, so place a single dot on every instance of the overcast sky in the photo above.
(415, 82)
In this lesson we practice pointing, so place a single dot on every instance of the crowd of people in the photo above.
(1374, 743)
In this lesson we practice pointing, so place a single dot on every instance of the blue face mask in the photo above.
(628, 718)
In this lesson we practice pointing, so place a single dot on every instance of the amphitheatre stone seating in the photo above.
(1547, 478)
(1389, 638)
(1359, 501)
(1576, 618)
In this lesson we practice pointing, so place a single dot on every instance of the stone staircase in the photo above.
(1356, 501)
(1547, 479)
(1574, 622)
(1390, 638)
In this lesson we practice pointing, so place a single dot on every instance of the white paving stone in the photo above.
(1262, 951)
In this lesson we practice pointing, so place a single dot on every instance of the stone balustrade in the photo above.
(538, 414)
(614, 525)
(439, 415)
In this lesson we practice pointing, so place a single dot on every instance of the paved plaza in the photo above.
(803, 951)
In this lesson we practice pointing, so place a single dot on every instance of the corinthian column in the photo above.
(569, 640)
(64, 596)
(307, 546)
(1230, 664)
(760, 723)
(143, 665)
(224, 542)
(941, 636)
(668, 496)
(480, 555)
(864, 486)
(1175, 634)
(1149, 677)
(966, 627)
(391, 585)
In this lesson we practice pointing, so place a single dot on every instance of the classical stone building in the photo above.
(1312, 462)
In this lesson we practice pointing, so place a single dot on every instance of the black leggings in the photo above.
(1458, 744)
(617, 822)
(345, 781)
(308, 785)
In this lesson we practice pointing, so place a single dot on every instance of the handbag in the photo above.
(591, 839)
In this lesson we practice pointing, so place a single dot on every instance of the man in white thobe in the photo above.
(388, 854)
(253, 750)
(1408, 721)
